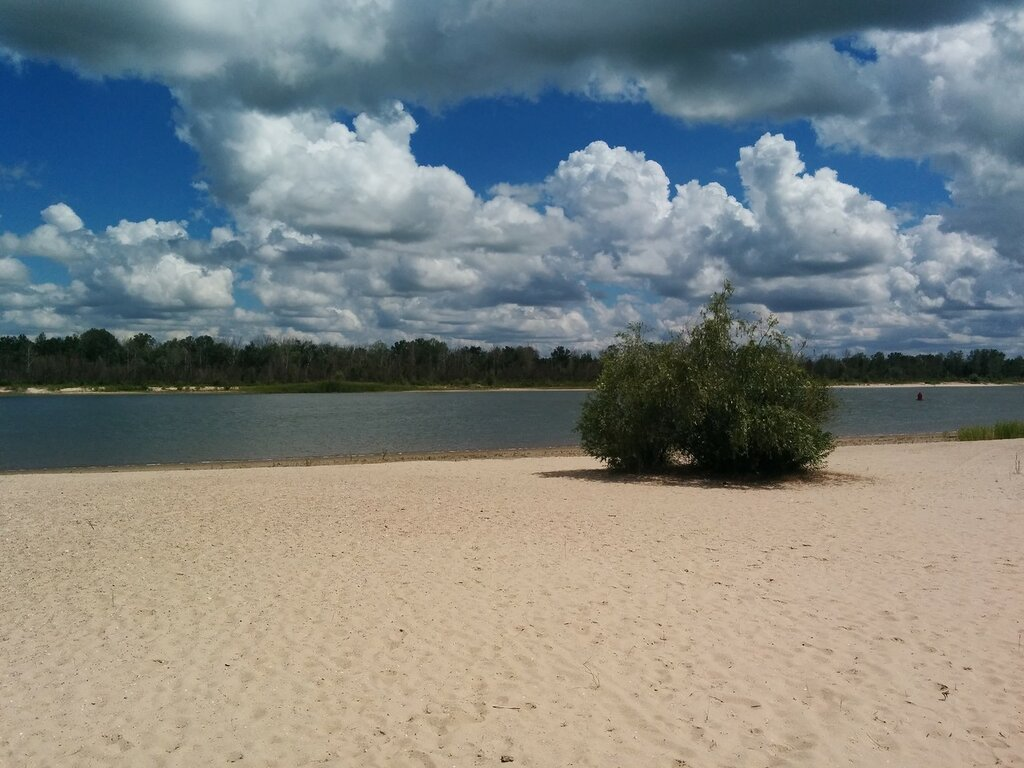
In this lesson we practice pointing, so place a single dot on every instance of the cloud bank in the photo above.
(339, 233)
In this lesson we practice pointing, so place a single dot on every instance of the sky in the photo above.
(539, 172)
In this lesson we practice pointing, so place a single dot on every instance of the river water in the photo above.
(53, 431)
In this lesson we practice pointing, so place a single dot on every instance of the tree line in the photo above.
(977, 365)
(97, 358)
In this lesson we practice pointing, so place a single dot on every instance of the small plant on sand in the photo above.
(731, 397)
(1002, 430)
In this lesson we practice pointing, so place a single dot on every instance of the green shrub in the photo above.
(732, 397)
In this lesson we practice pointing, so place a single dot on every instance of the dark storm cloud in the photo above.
(354, 54)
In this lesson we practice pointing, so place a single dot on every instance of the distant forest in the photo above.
(97, 358)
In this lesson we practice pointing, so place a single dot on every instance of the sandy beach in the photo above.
(533, 611)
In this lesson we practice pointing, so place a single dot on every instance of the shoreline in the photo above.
(387, 457)
(928, 385)
(71, 391)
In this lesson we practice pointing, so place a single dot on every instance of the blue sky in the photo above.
(490, 173)
(105, 147)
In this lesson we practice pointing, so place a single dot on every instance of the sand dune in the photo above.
(462, 613)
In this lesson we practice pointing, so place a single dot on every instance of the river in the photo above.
(55, 431)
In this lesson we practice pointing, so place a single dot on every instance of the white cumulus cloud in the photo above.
(12, 271)
(950, 95)
(130, 270)
(62, 217)
(170, 282)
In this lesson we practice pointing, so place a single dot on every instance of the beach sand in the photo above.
(535, 611)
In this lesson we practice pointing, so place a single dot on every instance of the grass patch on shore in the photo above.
(1002, 430)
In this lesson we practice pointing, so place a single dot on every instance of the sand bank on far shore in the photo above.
(924, 385)
(207, 390)
(538, 609)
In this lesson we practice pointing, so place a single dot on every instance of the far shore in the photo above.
(929, 385)
(160, 390)
(164, 390)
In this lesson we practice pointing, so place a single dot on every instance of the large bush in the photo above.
(732, 396)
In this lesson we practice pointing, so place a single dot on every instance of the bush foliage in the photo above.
(732, 396)
(628, 421)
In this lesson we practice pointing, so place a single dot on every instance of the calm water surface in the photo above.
(40, 431)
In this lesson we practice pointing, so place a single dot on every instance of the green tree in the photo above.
(99, 344)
